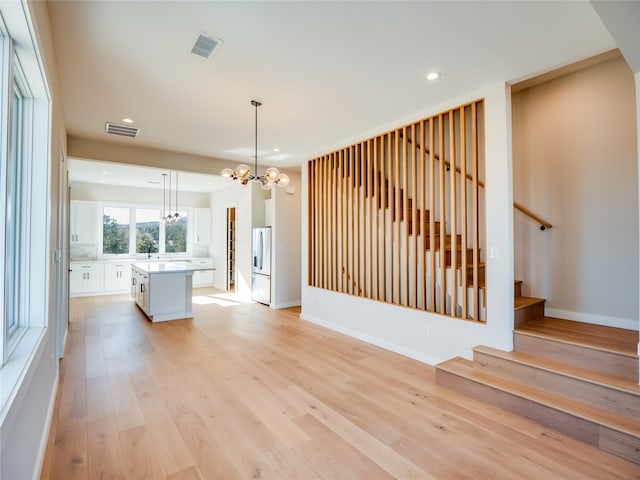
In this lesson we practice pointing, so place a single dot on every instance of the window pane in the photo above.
(176, 235)
(147, 230)
(115, 230)
(13, 216)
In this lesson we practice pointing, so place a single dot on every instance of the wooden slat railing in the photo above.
(389, 223)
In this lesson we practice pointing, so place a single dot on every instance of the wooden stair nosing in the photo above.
(596, 389)
(590, 334)
(524, 302)
(599, 359)
(568, 370)
(596, 416)
(576, 343)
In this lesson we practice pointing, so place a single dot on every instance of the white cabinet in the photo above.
(140, 288)
(204, 278)
(82, 222)
(117, 277)
(162, 294)
(202, 226)
(86, 278)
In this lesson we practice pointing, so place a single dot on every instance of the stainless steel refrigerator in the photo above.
(261, 265)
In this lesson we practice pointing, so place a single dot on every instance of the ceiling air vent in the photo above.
(124, 130)
(206, 45)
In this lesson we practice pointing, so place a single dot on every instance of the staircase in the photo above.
(441, 252)
(578, 378)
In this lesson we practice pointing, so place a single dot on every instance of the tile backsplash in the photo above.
(201, 250)
(83, 251)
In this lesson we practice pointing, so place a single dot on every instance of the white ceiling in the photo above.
(140, 177)
(328, 73)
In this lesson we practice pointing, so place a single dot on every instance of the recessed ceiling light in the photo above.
(208, 183)
(276, 149)
(104, 172)
(102, 181)
(127, 120)
(433, 76)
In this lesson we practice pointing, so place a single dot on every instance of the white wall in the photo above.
(576, 165)
(96, 192)
(425, 336)
(286, 282)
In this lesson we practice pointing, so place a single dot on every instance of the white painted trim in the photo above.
(378, 342)
(295, 303)
(591, 318)
(47, 429)
(19, 370)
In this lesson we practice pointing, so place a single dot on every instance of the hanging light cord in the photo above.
(256, 104)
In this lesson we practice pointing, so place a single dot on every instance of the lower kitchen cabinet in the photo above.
(86, 278)
(117, 277)
(205, 277)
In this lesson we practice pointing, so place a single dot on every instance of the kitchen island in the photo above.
(162, 290)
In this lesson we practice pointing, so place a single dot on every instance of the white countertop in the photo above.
(169, 267)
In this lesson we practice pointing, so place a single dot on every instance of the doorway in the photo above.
(231, 250)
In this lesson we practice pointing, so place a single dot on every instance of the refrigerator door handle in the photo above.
(260, 251)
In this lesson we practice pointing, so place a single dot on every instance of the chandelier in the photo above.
(242, 174)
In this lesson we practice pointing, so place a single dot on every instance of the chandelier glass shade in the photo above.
(243, 175)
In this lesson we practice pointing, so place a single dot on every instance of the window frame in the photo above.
(19, 133)
(133, 231)
(16, 308)
(22, 65)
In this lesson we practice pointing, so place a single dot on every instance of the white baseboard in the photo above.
(591, 318)
(378, 342)
(42, 450)
(295, 303)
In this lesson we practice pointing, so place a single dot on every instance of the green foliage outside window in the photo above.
(176, 235)
(147, 237)
(115, 236)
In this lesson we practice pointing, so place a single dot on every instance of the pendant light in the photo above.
(176, 216)
(168, 218)
(242, 174)
(164, 198)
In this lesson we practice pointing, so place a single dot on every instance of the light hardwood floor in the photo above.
(243, 391)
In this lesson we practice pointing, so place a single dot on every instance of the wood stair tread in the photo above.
(464, 368)
(542, 363)
(599, 337)
(523, 302)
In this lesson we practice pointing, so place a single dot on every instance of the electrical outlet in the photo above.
(426, 330)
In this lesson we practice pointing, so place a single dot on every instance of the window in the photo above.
(176, 235)
(147, 230)
(137, 230)
(14, 204)
(115, 231)
(25, 141)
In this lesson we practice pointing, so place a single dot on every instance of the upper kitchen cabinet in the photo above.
(82, 222)
(202, 226)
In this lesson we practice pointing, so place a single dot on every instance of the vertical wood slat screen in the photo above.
(396, 218)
